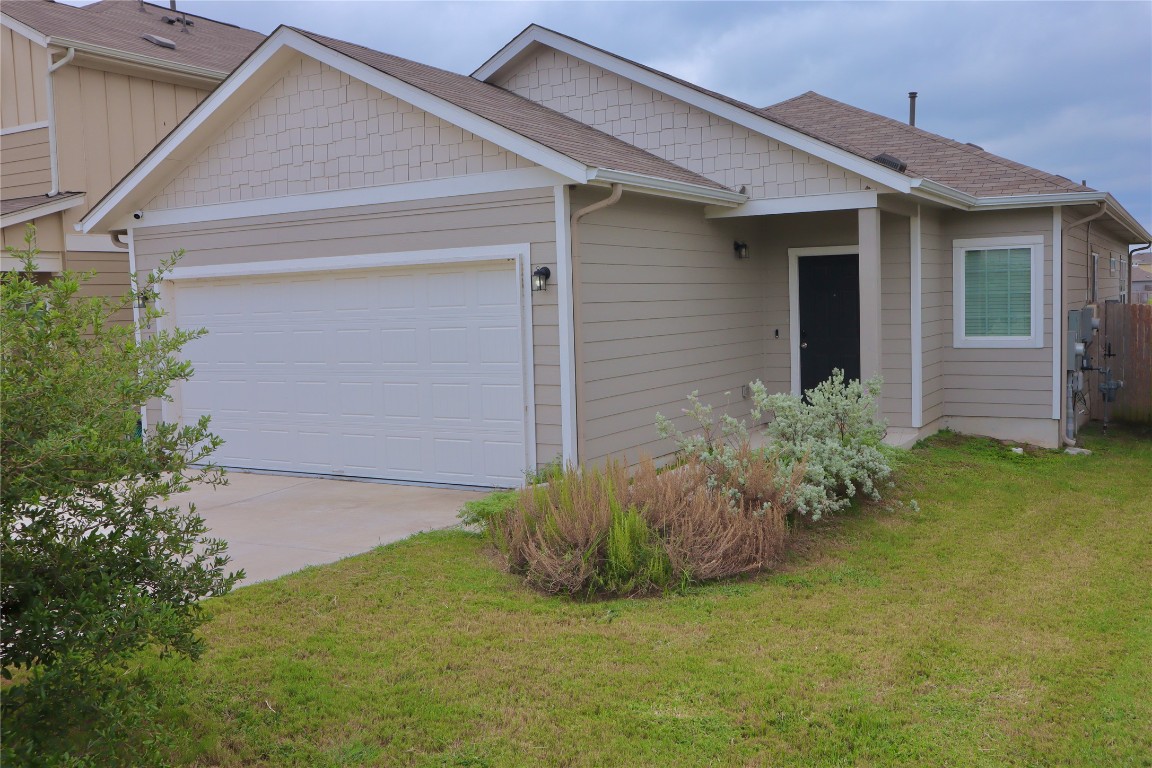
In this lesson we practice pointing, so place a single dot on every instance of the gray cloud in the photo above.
(1062, 86)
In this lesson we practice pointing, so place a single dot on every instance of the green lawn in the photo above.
(1006, 621)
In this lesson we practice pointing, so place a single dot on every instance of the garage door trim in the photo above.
(519, 253)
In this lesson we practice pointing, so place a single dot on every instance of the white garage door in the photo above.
(404, 373)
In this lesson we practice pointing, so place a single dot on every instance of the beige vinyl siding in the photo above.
(1077, 250)
(23, 67)
(317, 129)
(665, 309)
(457, 222)
(936, 313)
(49, 239)
(896, 319)
(686, 135)
(1012, 383)
(106, 122)
(1079, 243)
(25, 163)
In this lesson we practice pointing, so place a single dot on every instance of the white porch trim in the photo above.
(917, 321)
(568, 415)
(837, 201)
(1057, 311)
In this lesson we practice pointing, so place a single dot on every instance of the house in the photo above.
(365, 235)
(1141, 283)
(86, 93)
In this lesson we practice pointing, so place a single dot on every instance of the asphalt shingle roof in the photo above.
(17, 204)
(121, 25)
(533, 121)
(961, 166)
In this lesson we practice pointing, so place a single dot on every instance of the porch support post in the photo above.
(869, 230)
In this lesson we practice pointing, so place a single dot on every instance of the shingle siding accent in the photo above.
(728, 154)
(319, 129)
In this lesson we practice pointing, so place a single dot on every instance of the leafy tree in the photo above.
(97, 563)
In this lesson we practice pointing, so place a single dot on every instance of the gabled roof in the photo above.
(965, 167)
(533, 121)
(119, 25)
(570, 149)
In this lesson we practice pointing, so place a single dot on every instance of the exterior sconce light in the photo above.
(741, 250)
(142, 300)
(540, 278)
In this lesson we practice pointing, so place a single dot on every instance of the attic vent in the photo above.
(889, 161)
(977, 146)
(170, 20)
(163, 42)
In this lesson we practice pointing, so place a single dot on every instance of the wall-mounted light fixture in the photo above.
(540, 278)
(142, 299)
(740, 249)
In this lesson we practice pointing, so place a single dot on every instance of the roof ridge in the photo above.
(938, 138)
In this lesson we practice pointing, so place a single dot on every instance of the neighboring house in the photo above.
(85, 95)
(1141, 283)
(362, 233)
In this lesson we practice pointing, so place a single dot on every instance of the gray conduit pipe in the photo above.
(1069, 437)
(577, 324)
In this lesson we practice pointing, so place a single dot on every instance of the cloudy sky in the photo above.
(1062, 86)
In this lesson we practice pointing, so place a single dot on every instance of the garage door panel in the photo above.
(410, 374)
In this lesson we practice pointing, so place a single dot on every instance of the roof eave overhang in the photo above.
(103, 57)
(533, 35)
(954, 198)
(655, 185)
(113, 209)
(47, 208)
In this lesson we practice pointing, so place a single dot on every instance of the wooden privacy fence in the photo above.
(1128, 328)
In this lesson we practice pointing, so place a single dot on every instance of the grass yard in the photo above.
(1006, 621)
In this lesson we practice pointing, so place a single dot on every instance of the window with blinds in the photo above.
(998, 292)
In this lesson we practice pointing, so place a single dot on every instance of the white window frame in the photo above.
(1035, 339)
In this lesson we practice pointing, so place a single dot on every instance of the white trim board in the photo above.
(568, 414)
(24, 30)
(1057, 311)
(794, 255)
(472, 184)
(24, 127)
(364, 261)
(535, 34)
(836, 201)
(917, 319)
(1035, 340)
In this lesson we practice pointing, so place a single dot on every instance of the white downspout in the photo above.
(52, 67)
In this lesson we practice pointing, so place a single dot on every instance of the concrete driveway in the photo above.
(276, 524)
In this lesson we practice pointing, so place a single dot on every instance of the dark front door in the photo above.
(829, 317)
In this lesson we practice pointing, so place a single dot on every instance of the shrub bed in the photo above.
(722, 510)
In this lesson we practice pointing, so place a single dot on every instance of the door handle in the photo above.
(803, 340)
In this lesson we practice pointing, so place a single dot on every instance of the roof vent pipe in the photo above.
(912, 108)
(172, 4)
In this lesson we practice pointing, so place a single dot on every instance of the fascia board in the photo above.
(44, 209)
(469, 121)
(24, 30)
(931, 190)
(165, 153)
(734, 114)
(667, 187)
